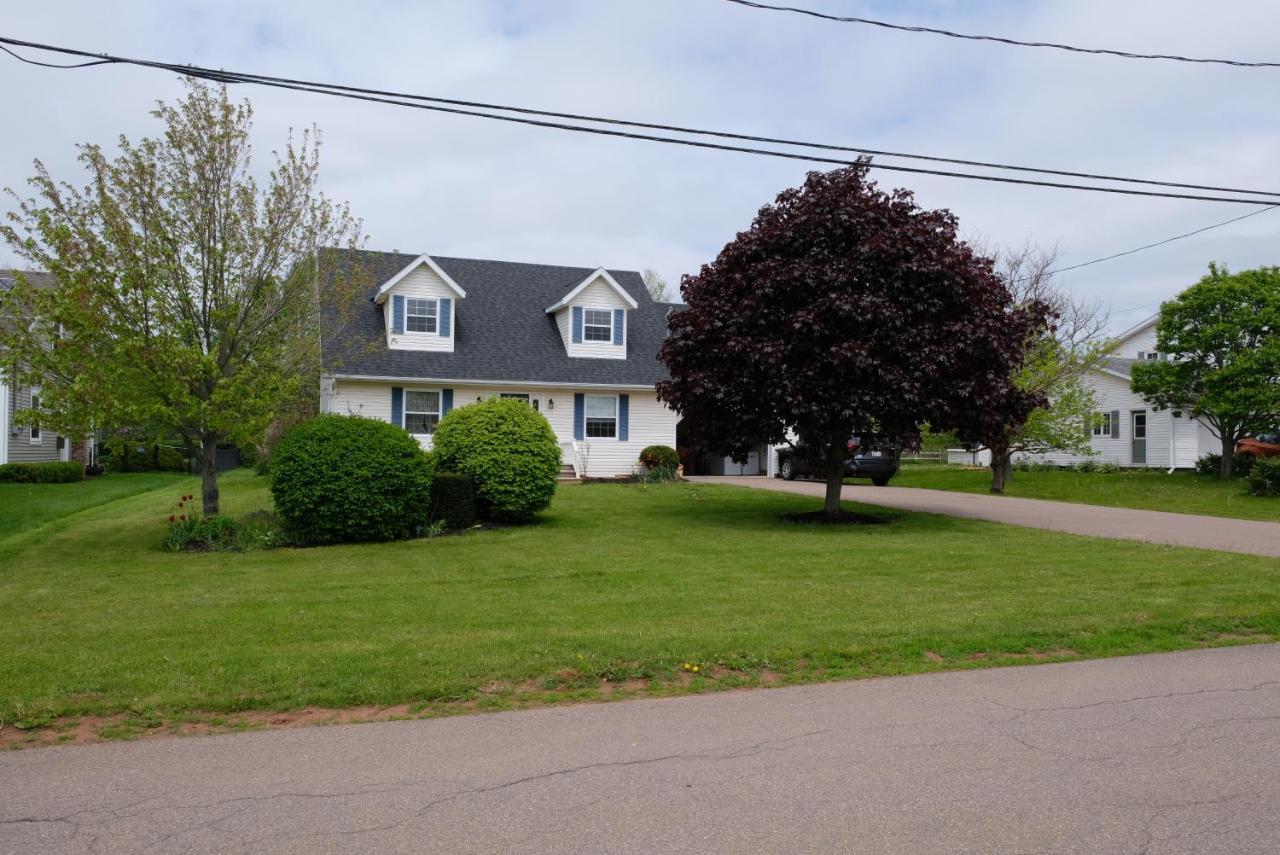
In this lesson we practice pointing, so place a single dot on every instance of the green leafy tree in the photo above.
(186, 292)
(1221, 340)
(1055, 365)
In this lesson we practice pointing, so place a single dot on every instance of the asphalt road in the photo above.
(1254, 537)
(1173, 753)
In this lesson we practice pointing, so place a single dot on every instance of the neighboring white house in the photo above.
(25, 443)
(1128, 431)
(580, 345)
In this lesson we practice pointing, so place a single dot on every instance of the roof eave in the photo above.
(385, 289)
(599, 272)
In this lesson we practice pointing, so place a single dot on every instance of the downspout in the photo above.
(1173, 446)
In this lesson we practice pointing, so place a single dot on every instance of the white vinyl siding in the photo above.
(1142, 341)
(422, 286)
(649, 421)
(598, 296)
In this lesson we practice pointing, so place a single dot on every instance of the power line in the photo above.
(1162, 242)
(232, 77)
(1001, 40)
(397, 99)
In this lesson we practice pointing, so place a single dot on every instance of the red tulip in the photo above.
(172, 518)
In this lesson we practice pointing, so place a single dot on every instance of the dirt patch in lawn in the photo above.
(565, 686)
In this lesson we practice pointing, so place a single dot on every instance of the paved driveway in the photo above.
(1248, 536)
(1173, 753)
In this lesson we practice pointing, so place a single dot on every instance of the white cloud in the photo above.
(448, 185)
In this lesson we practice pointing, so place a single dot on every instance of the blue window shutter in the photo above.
(619, 323)
(446, 305)
(397, 406)
(397, 314)
(577, 327)
(579, 414)
(446, 402)
(624, 411)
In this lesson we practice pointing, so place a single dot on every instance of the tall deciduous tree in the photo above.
(1055, 365)
(1220, 340)
(186, 293)
(844, 310)
(656, 285)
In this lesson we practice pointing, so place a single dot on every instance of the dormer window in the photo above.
(597, 325)
(421, 316)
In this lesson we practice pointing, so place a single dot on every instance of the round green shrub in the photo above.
(509, 451)
(347, 479)
(660, 456)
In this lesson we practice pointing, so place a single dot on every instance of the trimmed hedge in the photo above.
(51, 472)
(348, 479)
(660, 456)
(1264, 477)
(509, 451)
(453, 500)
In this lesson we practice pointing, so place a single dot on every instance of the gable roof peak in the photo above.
(381, 296)
(598, 273)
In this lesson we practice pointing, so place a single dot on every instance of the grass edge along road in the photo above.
(618, 591)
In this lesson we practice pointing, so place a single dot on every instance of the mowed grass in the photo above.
(615, 582)
(1156, 490)
(23, 507)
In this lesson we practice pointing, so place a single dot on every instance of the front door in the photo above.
(1139, 437)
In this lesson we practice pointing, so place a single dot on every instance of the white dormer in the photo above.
(592, 317)
(418, 306)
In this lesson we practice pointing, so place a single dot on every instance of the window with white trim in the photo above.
(421, 411)
(421, 315)
(601, 413)
(1102, 425)
(34, 434)
(597, 325)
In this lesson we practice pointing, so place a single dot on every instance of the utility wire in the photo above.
(579, 117)
(1162, 242)
(437, 105)
(1004, 41)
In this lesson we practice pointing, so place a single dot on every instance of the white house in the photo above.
(578, 344)
(1128, 431)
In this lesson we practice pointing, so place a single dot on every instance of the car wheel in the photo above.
(787, 470)
(880, 482)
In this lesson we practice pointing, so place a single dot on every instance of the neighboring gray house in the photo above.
(578, 344)
(22, 443)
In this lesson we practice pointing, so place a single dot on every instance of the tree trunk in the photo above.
(209, 478)
(836, 453)
(1226, 468)
(1001, 467)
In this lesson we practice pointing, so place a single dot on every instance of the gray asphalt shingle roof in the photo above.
(502, 331)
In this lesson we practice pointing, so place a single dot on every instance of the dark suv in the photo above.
(867, 458)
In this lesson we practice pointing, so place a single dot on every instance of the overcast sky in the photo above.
(446, 185)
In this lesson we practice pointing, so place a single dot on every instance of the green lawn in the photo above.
(25, 506)
(1181, 492)
(616, 582)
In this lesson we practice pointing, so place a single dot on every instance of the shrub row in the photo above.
(51, 472)
(1241, 464)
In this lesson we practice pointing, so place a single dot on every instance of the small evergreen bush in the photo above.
(509, 451)
(453, 500)
(655, 456)
(50, 472)
(1208, 464)
(348, 479)
(1264, 477)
